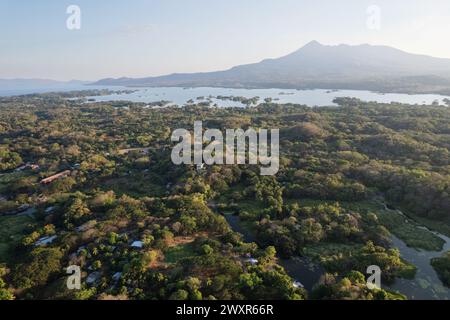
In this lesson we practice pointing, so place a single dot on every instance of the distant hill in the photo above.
(315, 65)
(6, 84)
(11, 87)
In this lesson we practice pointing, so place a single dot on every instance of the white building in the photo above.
(252, 261)
(44, 241)
(137, 244)
(93, 278)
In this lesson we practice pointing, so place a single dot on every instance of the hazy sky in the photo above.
(139, 38)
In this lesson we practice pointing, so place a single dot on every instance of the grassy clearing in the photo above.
(252, 207)
(135, 187)
(439, 226)
(405, 229)
(11, 231)
(175, 254)
(409, 232)
(327, 249)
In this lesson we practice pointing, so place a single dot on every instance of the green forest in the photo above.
(93, 185)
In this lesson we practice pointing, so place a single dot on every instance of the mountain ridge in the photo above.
(369, 67)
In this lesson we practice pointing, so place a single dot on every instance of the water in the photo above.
(298, 268)
(181, 96)
(303, 270)
(425, 286)
(234, 222)
(8, 92)
(318, 97)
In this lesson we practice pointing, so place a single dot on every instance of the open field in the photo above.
(11, 231)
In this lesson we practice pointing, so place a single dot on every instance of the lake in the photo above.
(22, 90)
(180, 96)
(317, 97)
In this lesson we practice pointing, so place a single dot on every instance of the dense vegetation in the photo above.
(142, 228)
(442, 267)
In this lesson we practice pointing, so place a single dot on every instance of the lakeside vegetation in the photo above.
(442, 267)
(142, 228)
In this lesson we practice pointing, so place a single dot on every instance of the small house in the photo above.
(44, 241)
(55, 177)
(86, 226)
(29, 212)
(137, 244)
(26, 166)
(252, 261)
(80, 249)
(142, 151)
(116, 277)
(21, 168)
(49, 210)
(93, 278)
